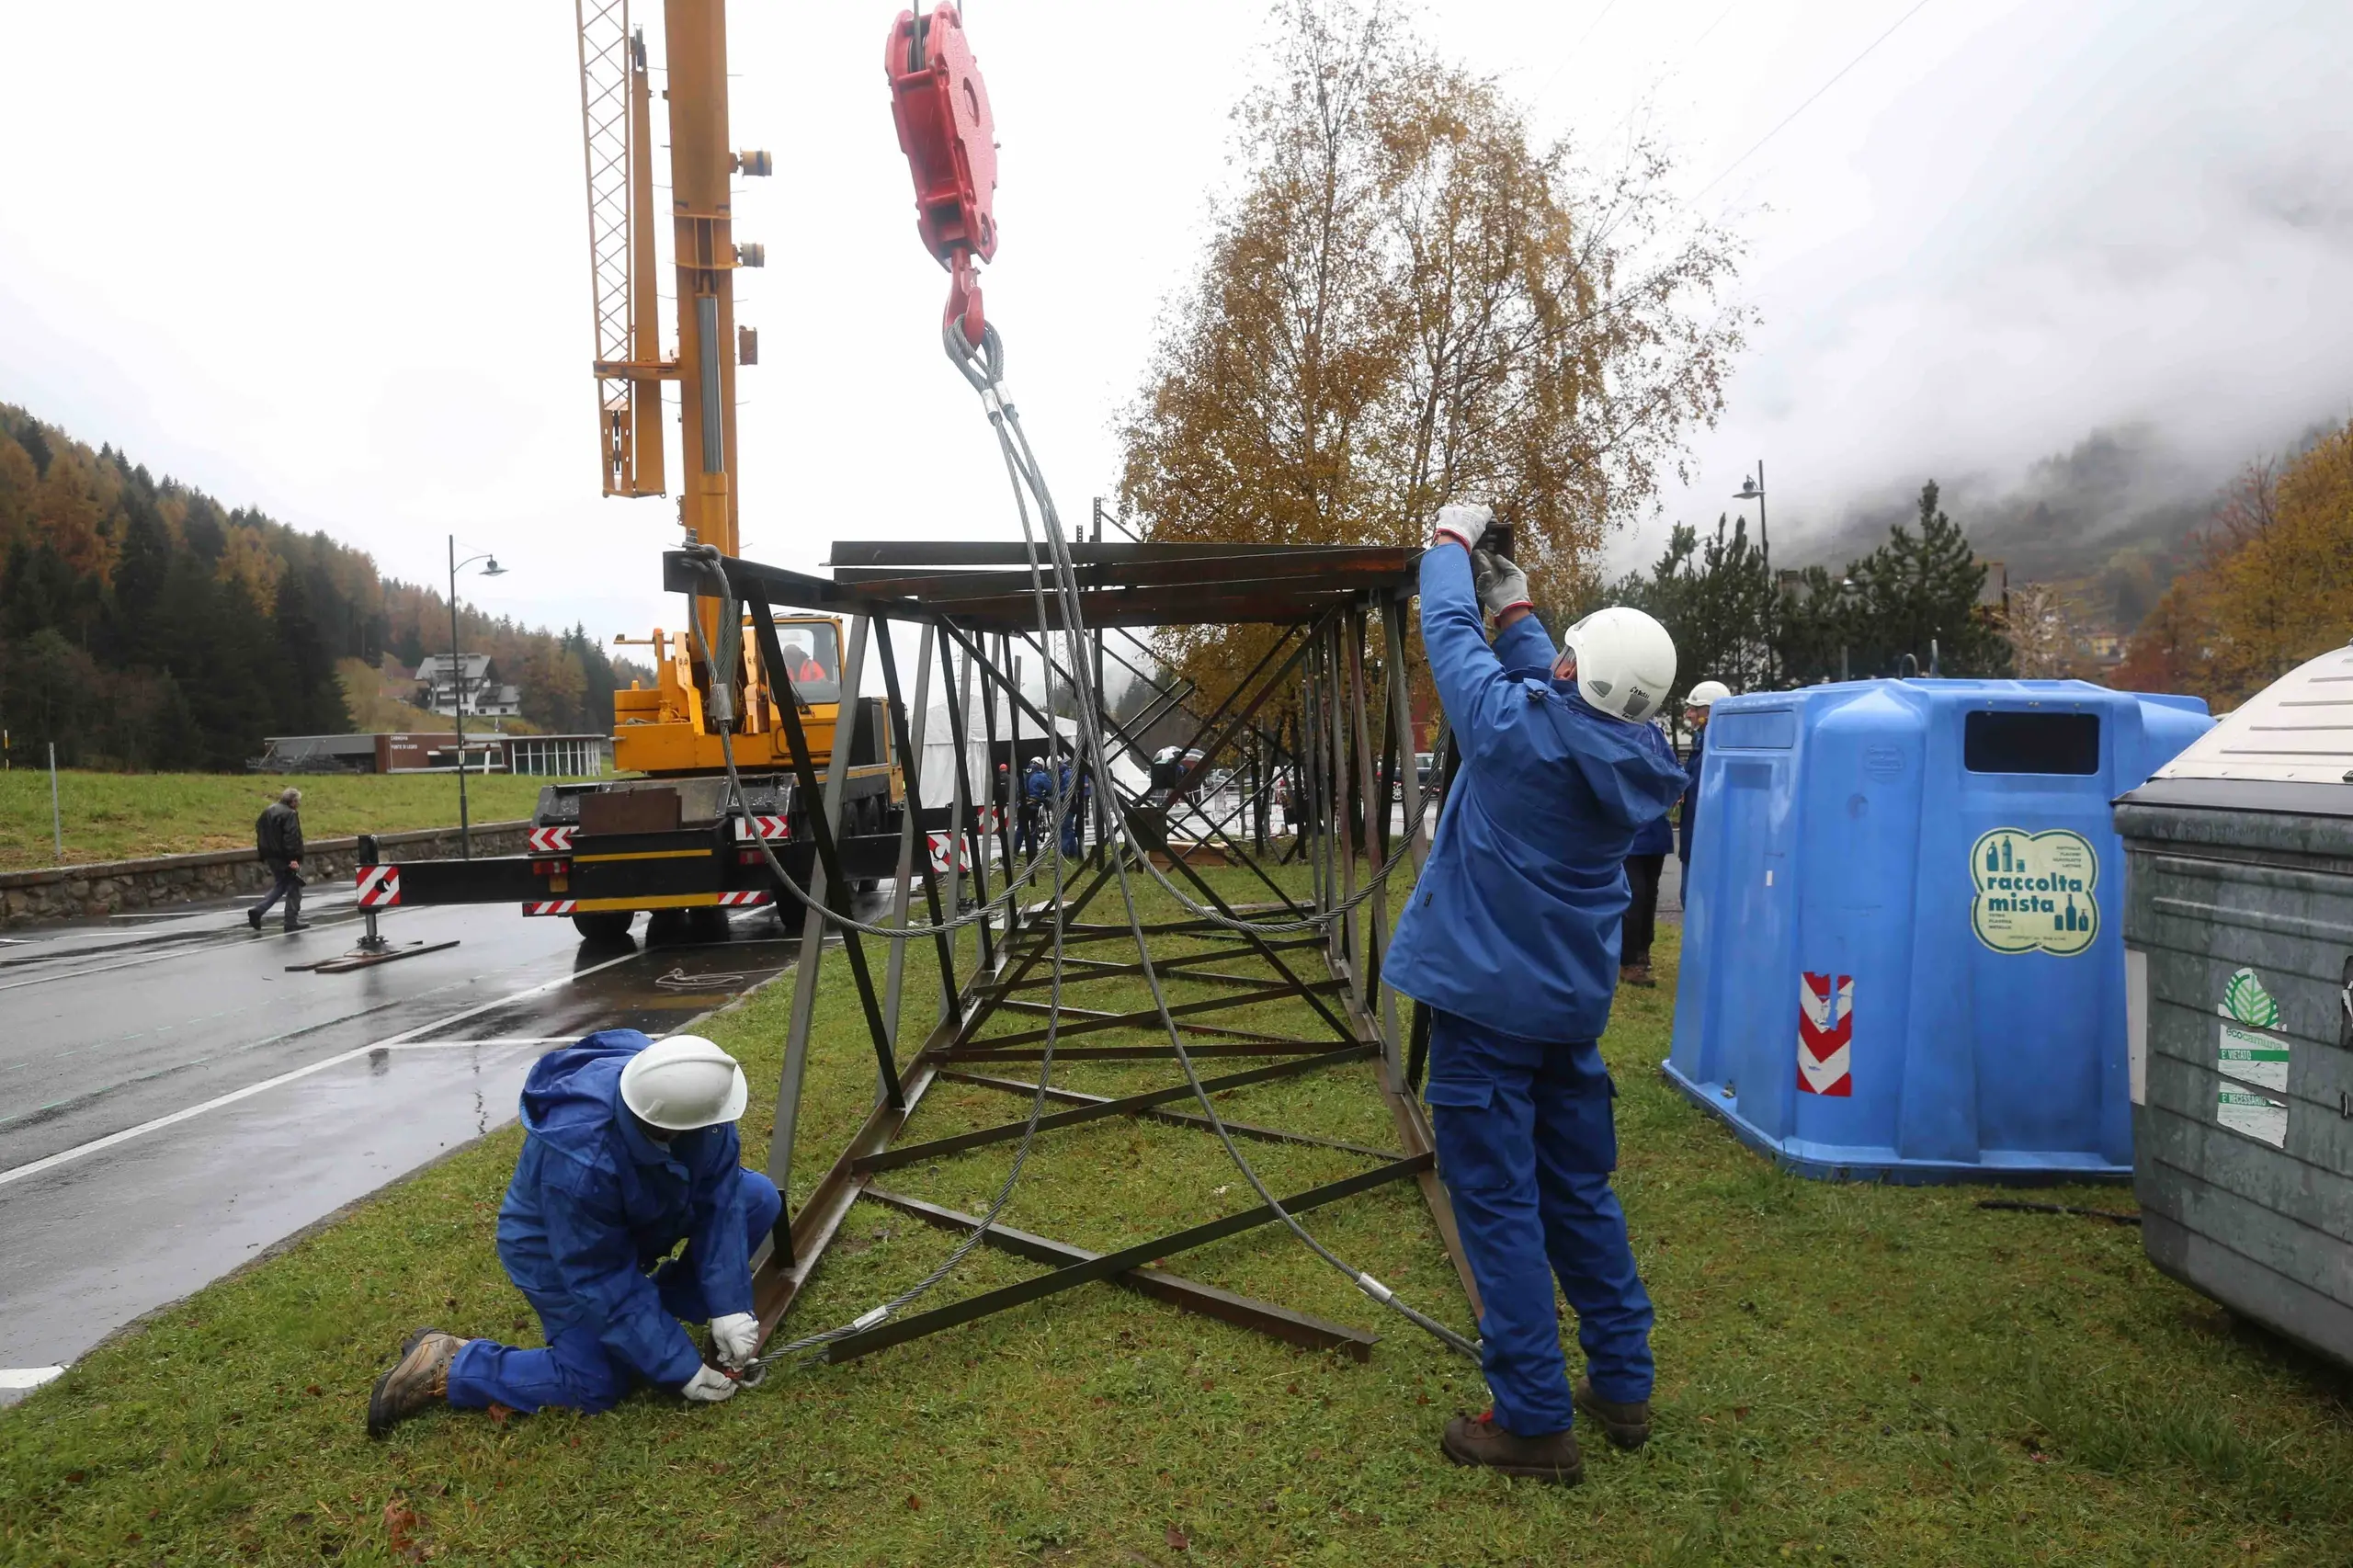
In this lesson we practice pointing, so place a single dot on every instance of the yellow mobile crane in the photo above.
(677, 841)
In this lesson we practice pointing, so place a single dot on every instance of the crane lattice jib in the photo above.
(613, 129)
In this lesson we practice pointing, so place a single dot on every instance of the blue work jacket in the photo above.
(1691, 793)
(1655, 837)
(596, 1205)
(1514, 922)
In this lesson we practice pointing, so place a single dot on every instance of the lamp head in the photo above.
(492, 569)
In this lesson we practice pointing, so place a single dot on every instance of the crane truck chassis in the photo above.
(678, 844)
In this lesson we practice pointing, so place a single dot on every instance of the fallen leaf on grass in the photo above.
(398, 1522)
(913, 1501)
(1177, 1540)
(497, 1413)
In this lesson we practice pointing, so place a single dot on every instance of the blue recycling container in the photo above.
(1902, 942)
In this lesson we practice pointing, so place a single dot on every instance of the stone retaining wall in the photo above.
(108, 887)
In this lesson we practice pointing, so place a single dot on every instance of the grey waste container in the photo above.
(2238, 936)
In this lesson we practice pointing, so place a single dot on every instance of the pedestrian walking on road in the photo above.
(629, 1149)
(277, 835)
(1510, 939)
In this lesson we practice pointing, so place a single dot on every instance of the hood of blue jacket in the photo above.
(572, 1094)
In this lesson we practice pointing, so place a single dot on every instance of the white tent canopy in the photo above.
(938, 780)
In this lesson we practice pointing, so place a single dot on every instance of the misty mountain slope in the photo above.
(2115, 513)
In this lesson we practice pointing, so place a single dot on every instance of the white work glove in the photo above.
(1465, 525)
(1502, 585)
(736, 1337)
(709, 1387)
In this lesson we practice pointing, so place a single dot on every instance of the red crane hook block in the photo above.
(941, 108)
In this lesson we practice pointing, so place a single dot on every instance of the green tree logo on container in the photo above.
(2251, 1067)
(2036, 891)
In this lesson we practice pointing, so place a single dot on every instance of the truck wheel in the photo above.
(604, 925)
(708, 923)
(665, 926)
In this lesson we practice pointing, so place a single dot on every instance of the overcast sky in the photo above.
(331, 262)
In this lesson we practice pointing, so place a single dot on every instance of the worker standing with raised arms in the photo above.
(1511, 939)
(629, 1149)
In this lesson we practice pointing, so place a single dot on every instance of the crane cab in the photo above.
(666, 731)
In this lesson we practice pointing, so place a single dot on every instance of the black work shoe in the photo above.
(1626, 1425)
(418, 1381)
(1636, 974)
(1477, 1440)
(253, 918)
(294, 926)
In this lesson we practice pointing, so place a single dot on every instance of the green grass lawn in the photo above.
(1847, 1374)
(126, 816)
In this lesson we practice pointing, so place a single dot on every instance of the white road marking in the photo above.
(97, 1145)
(27, 1377)
(478, 1045)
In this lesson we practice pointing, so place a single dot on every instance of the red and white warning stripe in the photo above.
(742, 900)
(551, 840)
(552, 906)
(380, 886)
(1825, 1034)
(763, 827)
(991, 818)
(940, 845)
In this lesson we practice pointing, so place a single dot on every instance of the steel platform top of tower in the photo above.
(988, 586)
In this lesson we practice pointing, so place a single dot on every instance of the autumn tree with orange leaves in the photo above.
(2273, 586)
(1409, 300)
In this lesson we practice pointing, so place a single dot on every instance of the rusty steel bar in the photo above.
(1105, 1265)
(1096, 1110)
(1293, 1327)
(1181, 1118)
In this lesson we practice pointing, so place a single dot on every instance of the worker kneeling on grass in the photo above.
(1510, 938)
(629, 1149)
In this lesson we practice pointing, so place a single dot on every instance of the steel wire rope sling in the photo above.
(958, 119)
(946, 130)
(722, 709)
(984, 368)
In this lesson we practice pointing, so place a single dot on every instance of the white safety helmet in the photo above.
(1704, 695)
(683, 1083)
(1625, 662)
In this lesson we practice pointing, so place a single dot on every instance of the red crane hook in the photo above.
(941, 108)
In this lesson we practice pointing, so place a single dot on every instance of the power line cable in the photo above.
(1825, 87)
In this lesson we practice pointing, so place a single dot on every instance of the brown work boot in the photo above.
(1477, 1439)
(1635, 974)
(418, 1381)
(1626, 1425)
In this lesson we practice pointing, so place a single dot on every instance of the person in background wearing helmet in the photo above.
(629, 1149)
(1694, 714)
(1510, 939)
(1644, 862)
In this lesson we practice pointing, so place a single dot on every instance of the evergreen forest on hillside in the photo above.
(145, 626)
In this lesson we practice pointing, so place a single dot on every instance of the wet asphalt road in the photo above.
(172, 1100)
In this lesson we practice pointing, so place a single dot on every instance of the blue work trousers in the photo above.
(576, 1371)
(1525, 1145)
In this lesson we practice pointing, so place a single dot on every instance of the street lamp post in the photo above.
(458, 685)
(1752, 488)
